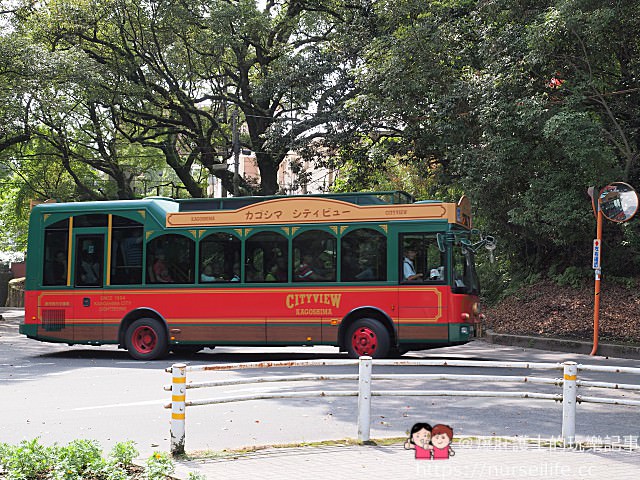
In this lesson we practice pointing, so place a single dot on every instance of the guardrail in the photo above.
(568, 397)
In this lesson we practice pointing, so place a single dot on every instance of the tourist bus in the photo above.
(372, 273)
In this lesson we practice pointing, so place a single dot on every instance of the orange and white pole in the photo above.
(178, 407)
(597, 256)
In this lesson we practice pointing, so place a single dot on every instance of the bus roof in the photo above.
(333, 207)
(396, 197)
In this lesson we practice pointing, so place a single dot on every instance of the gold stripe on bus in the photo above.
(109, 231)
(69, 251)
(409, 321)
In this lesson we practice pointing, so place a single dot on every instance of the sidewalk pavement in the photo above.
(367, 462)
(615, 350)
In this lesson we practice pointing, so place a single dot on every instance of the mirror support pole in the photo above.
(596, 300)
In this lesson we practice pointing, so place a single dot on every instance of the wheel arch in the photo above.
(366, 312)
(132, 316)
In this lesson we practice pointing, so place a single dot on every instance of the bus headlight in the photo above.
(464, 330)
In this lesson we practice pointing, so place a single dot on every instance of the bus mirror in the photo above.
(467, 246)
(618, 202)
(490, 244)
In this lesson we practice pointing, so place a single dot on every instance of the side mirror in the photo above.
(618, 202)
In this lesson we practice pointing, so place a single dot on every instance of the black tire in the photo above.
(367, 337)
(146, 339)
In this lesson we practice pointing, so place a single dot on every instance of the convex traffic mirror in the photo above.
(618, 202)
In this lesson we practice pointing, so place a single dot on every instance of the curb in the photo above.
(563, 345)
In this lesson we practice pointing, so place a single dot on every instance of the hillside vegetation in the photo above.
(548, 309)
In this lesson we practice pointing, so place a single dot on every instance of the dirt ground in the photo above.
(547, 309)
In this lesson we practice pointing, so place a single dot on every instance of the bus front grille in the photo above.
(53, 320)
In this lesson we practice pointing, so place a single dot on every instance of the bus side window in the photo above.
(315, 257)
(266, 258)
(171, 259)
(56, 251)
(219, 258)
(89, 260)
(422, 260)
(363, 256)
(126, 252)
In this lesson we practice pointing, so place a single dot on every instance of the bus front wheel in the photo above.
(146, 339)
(367, 337)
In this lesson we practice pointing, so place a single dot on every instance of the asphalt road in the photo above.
(60, 393)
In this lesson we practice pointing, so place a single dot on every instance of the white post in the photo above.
(569, 393)
(364, 399)
(178, 397)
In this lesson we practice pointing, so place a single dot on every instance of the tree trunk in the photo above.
(268, 174)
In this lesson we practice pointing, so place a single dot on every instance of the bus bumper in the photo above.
(462, 332)
(30, 330)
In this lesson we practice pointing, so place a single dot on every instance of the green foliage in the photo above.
(27, 460)
(571, 276)
(196, 476)
(79, 460)
(159, 465)
(123, 453)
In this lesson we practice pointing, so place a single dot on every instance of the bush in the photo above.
(79, 460)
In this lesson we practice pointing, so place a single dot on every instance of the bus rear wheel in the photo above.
(146, 339)
(368, 337)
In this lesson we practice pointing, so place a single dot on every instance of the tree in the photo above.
(479, 96)
(172, 72)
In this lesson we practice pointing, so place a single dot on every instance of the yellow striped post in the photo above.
(178, 408)
(569, 395)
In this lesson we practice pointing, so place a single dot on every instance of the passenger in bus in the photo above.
(408, 268)
(280, 269)
(207, 274)
(161, 270)
(366, 270)
(89, 270)
(305, 271)
(236, 273)
(252, 274)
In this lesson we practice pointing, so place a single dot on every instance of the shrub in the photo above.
(79, 460)
(159, 465)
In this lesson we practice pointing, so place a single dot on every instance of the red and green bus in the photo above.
(372, 273)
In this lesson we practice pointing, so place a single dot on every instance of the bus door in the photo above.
(89, 267)
(422, 296)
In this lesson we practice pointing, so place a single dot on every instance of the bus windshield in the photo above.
(465, 276)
